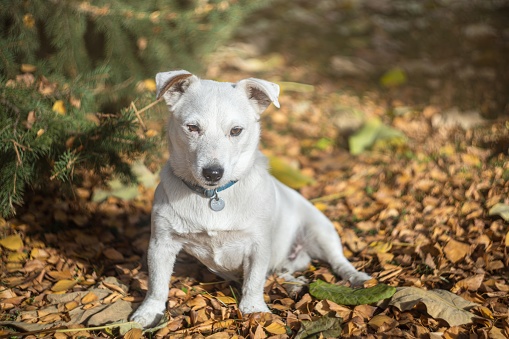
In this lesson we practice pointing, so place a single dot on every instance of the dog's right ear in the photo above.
(260, 93)
(171, 85)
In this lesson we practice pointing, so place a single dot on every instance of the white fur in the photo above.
(256, 232)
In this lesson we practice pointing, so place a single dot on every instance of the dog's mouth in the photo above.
(211, 185)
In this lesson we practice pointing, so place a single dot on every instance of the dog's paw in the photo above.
(293, 286)
(358, 278)
(148, 314)
(247, 308)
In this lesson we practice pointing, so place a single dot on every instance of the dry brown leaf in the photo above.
(259, 333)
(114, 287)
(364, 311)
(12, 242)
(134, 333)
(118, 311)
(379, 321)
(353, 241)
(16, 257)
(226, 300)
(276, 327)
(439, 304)
(60, 275)
(470, 284)
(456, 251)
(90, 297)
(197, 303)
(63, 285)
(113, 254)
(219, 335)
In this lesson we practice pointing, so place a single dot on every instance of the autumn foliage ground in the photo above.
(411, 211)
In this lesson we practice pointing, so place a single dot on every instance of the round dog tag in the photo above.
(216, 204)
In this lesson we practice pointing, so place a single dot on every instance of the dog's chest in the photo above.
(221, 251)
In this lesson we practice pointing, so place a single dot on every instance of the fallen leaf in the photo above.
(63, 285)
(394, 77)
(470, 284)
(372, 131)
(380, 246)
(113, 254)
(219, 335)
(59, 107)
(456, 251)
(287, 174)
(276, 328)
(501, 210)
(440, 304)
(16, 257)
(150, 133)
(324, 327)
(344, 295)
(145, 176)
(118, 311)
(60, 275)
(28, 68)
(226, 300)
(379, 321)
(134, 333)
(259, 333)
(113, 284)
(12, 242)
(71, 305)
(150, 85)
(90, 297)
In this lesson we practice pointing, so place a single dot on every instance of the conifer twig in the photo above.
(150, 105)
(143, 126)
(16, 145)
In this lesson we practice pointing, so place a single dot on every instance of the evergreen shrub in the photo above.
(66, 68)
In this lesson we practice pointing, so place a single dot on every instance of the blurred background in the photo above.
(394, 122)
(89, 60)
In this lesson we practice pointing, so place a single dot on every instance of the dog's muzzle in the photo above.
(212, 174)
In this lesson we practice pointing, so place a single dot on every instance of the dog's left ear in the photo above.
(171, 85)
(260, 92)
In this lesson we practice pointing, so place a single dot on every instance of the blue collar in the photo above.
(208, 193)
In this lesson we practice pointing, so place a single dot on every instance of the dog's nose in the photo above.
(212, 173)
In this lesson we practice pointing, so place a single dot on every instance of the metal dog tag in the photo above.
(216, 204)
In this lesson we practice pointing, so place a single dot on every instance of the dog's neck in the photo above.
(208, 193)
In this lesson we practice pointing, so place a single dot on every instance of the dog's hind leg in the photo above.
(298, 260)
(323, 243)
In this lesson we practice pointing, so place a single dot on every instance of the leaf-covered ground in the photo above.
(412, 208)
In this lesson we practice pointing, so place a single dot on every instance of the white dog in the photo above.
(218, 202)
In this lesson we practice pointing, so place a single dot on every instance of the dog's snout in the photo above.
(212, 173)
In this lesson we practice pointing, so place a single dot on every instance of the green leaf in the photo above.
(118, 190)
(128, 191)
(323, 327)
(394, 77)
(324, 143)
(501, 210)
(344, 295)
(144, 175)
(287, 174)
(287, 86)
(372, 131)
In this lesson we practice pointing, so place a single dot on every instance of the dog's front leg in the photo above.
(161, 255)
(255, 274)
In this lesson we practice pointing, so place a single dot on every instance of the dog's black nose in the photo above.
(212, 173)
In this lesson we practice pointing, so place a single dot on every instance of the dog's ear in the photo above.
(171, 85)
(260, 92)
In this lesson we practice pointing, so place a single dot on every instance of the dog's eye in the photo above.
(235, 131)
(193, 128)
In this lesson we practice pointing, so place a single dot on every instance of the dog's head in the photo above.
(214, 126)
